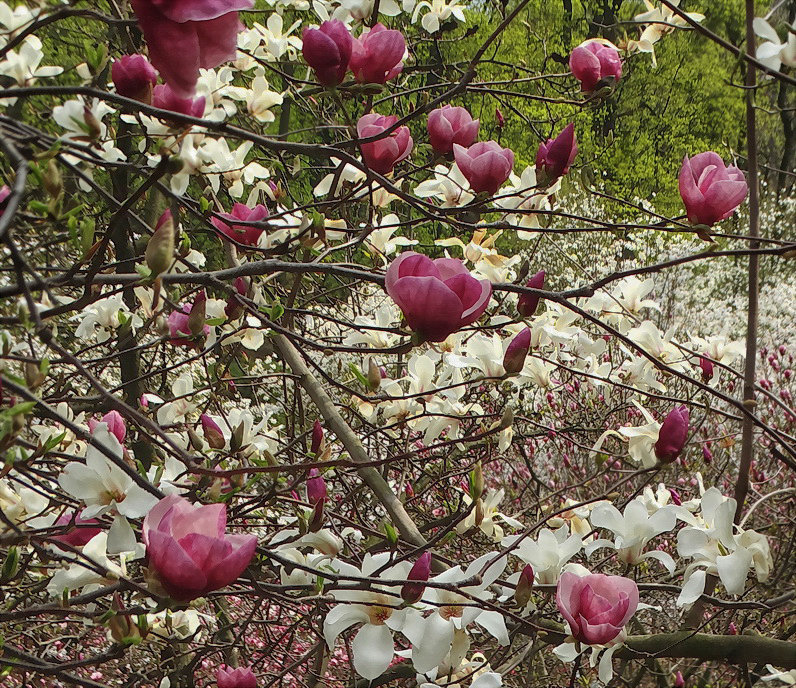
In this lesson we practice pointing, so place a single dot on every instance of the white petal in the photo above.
(493, 622)
(663, 557)
(121, 537)
(733, 570)
(436, 643)
(373, 650)
(693, 588)
(340, 618)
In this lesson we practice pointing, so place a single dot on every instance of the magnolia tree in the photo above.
(294, 388)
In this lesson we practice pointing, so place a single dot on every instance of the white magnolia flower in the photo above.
(548, 553)
(102, 484)
(371, 330)
(83, 571)
(101, 318)
(660, 21)
(179, 624)
(773, 53)
(231, 165)
(448, 186)
(14, 20)
(23, 67)
(24, 506)
(432, 636)
(381, 242)
(437, 12)
(72, 117)
(377, 609)
(476, 670)
(261, 99)
(481, 252)
(183, 403)
(786, 677)
(276, 41)
(632, 530)
(712, 542)
(489, 515)
(216, 88)
(523, 195)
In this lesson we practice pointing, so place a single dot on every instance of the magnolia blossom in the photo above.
(632, 530)
(486, 516)
(710, 190)
(660, 21)
(773, 52)
(595, 62)
(377, 55)
(526, 196)
(102, 484)
(436, 12)
(328, 50)
(381, 240)
(91, 568)
(548, 553)
(448, 185)
(22, 65)
(376, 608)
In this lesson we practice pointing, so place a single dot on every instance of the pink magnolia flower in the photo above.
(328, 51)
(448, 125)
(247, 235)
(555, 156)
(5, 192)
(242, 677)
(706, 365)
(381, 156)
(485, 165)
(596, 606)
(377, 56)
(672, 435)
(165, 98)
(317, 437)
(179, 328)
(437, 297)
(528, 303)
(316, 487)
(186, 35)
(710, 190)
(134, 77)
(593, 61)
(414, 587)
(76, 536)
(189, 549)
(115, 423)
(214, 436)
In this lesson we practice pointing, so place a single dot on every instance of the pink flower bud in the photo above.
(212, 432)
(413, 589)
(189, 549)
(522, 591)
(517, 350)
(707, 455)
(676, 500)
(115, 423)
(317, 438)
(528, 303)
(710, 190)
(448, 125)
(159, 252)
(381, 156)
(78, 535)
(501, 120)
(485, 165)
(247, 234)
(555, 156)
(134, 77)
(595, 63)
(242, 677)
(233, 310)
(5, 192)
(732, 629)
(437, 297)
(596, 606)
(377, 56)
(679, 681)
(316, 487)
(180, 333)
(165, 99)
(672, 435)
(328, 51)
(198, 314)
(706, 365)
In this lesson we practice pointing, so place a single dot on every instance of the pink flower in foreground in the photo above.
(377, 56)
(485, 165)
(165, 98)
(248, 235)
(448, 125)
(76, 536)
(115, 423)
(189, 549)
(555, 156)
(328, 51)
(186, 35)
(593, 61)
(437, 297)
(672, 435)
(596, 606)
(179, 328)
(710, 190)
(242, 677)
(381, 156)
(134, 77)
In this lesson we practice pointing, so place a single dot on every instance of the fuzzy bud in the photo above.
(317, 438)
(316, 488)
(160, 247)
(212, 432)
(196, 318)
(374, 375)
(522, 591)
(706, 365)
(516, 352)
(527, 303)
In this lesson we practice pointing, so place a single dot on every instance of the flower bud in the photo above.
(516, 352)
(93, 125)
(236, 442)
(160, 248)
(134, 77)
(212, 432)
(707, 455)
(522, 591)
(679, 681)
(327, 50)
(10, 566)
(374, 375)
(414, 587)
(233, 310)
(196, 318)
(527, 303)
(501, 120)
(676, 500)
(242, 677)
(476, 482)
(316, 487)
(707, 369)
(115, 423)
(53, 181)
(672, 435)
(554, 157)
(317, 438)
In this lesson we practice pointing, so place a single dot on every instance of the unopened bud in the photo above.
(706, 366)
(476, 482)
(93, 125)
(10, 566)
(237, 437)
(317, 438)
(374, 375)
(528, 303)
(213, 435)
(516, 352)
(679, 681)
(522, 592)
(317, 519)
(160, 247)
(195, 440)
(33, 375)
(197, 316)
(53, 181)
(316, 487)
(414, 587)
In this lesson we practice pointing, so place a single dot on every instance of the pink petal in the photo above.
(429, 306)
(199, 10)
(218, 39)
